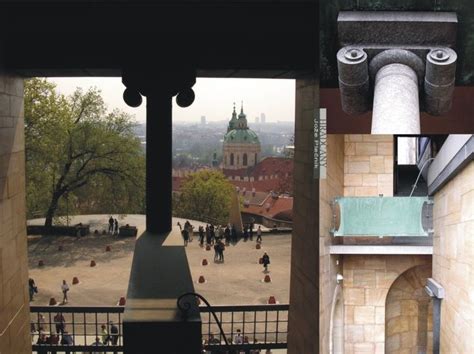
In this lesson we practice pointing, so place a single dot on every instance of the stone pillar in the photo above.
(303, 326)
(159, 86)
(396, 108)
(158, 163)
(14, 298)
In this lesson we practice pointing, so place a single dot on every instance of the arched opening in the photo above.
(244, 159)
(238, 160)
(232, 159)
(408, 313)
(336, 329)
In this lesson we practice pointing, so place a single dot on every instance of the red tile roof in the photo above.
(279, 167)
(277, 208)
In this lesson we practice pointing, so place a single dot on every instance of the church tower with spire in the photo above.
(241, 148)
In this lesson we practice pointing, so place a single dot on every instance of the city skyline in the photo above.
(275, 98)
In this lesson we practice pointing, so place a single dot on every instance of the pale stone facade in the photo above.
(330, 187)
(358, 165)
(237, 156)
(453, 260)
(367, 281)
(14, 298)
(368, 165)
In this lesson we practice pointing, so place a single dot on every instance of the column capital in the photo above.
(163, 81)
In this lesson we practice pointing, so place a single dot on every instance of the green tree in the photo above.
(206, 196)
(75, 148)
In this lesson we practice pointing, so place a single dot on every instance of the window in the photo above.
(232, 159)
(244, 160)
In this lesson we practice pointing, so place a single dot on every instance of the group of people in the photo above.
(107, 336)
(186, 232)
(219, 237)
(113, 226)
(53, 338)
(33, 289)
(211, 234)
(237, 339)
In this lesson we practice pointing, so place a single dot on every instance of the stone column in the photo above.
(396, 108)
(303, 321)
(158, 163)
(159, 86)
(14, 298)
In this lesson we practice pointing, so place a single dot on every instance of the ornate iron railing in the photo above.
(261, 327)
(82, 324)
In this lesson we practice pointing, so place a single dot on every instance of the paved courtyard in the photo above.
(237, 281)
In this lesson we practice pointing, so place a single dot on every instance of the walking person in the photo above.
(266, 262)
(227, 234)
(213, 234)
(111, 225)
(216, 252)
(32, 288)
(185, 234)
(259, 234)
(251, 232)
(201, 236)
(233, 232)
(41, 323)
(64, 289)
(221, 249)
(114, 333)
(116, 227)
(59, 321)
(246, 234)
(104, 334)
(188, 227)
(208, 235)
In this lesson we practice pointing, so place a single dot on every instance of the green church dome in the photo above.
(241, 136)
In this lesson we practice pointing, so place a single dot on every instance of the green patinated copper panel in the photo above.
(329, 9)
(381, 216)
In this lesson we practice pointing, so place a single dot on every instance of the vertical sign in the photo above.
(320, 149)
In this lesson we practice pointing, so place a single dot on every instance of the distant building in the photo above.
(262, 118)
(257, 120)
(265, 186)
(203, 120)
(241, 147)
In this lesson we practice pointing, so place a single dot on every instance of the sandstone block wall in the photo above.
(453, 260)
(368, 165)
(330, 187)
(368, 172)
(14, 298)
(367, 281)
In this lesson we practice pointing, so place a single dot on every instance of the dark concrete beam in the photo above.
(99, 38)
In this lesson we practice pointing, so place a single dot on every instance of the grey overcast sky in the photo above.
(214, 98)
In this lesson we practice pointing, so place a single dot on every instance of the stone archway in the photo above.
(336, 328)
(408, 313)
